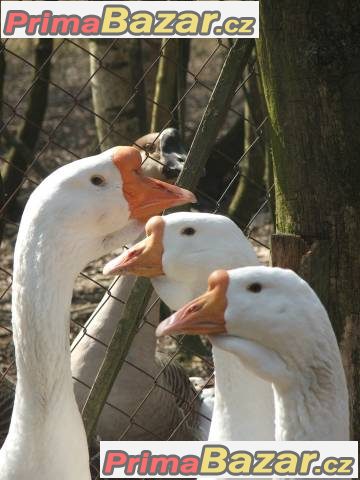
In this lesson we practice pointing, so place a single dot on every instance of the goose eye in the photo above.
(255, 287)
(97, 180)
(188, 231)
(150, 147)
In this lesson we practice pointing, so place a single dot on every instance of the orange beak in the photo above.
(144, 258)
(146, 196)
(203, 316)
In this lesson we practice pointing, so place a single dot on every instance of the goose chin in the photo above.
(174, 325)
(203, 316)
(200, 317)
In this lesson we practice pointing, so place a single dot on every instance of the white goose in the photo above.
(79, 213)
(163, 155)
(120, 416)
(179, 253)
(272, 322)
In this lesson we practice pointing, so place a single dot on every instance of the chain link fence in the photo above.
(51, 114)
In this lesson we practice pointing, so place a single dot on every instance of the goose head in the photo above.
(95, 197)
(269, 317)
(184, 247)
(163, 154)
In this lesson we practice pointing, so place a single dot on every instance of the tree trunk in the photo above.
(227, 150)
(182, 69)
(2, 202)
(309, 55)
(250, 192)
(2, 77)
(117, 92)
(166, 86)
(28, 132)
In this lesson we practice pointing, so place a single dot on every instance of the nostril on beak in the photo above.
(171, 172)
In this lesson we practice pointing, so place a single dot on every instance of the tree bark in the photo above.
(29, 130)
(2, 202)
(250, 192)
(166, 86)
(2, 77)
(227, 150)
(309, 55)
(181, 84)
(118, 97)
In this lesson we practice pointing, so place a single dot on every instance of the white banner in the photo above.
(229, 459)
(143, 19)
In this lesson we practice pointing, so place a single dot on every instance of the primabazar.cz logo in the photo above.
(143, 19)
(228, 459)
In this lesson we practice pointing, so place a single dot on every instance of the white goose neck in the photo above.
(244, 404)
(46, 425)
(176, 293)
(44, 275)
(315, 406)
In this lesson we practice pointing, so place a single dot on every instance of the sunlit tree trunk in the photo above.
(21, 154)
(2, 191)
(166, 86)
(250, 192)
(117, 92)
(309, 55)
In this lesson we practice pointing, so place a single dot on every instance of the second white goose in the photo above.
(179, 253)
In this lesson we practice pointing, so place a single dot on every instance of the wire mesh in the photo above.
(68, 132)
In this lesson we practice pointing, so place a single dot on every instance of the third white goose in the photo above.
(179, 253)
(272, 322)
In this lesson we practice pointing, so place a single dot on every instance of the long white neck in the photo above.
(46, 426)
(175, 293)
(244, 403)
(309, 389)
(315, 405)
(237, 391)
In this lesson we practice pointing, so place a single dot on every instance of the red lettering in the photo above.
(130, 467)
(64, 25)
(164, 465)
(44, 27)
(90, 25)
(189, 465)
(113, 459)
(32, 24)
(15, 19)
(145, 454)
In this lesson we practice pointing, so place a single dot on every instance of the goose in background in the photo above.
(163, 154)
(178, 254)
(79, 213)
(270, 321)
(132, 408)
(7, 395)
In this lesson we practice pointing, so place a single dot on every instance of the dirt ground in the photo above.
(70, 72)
